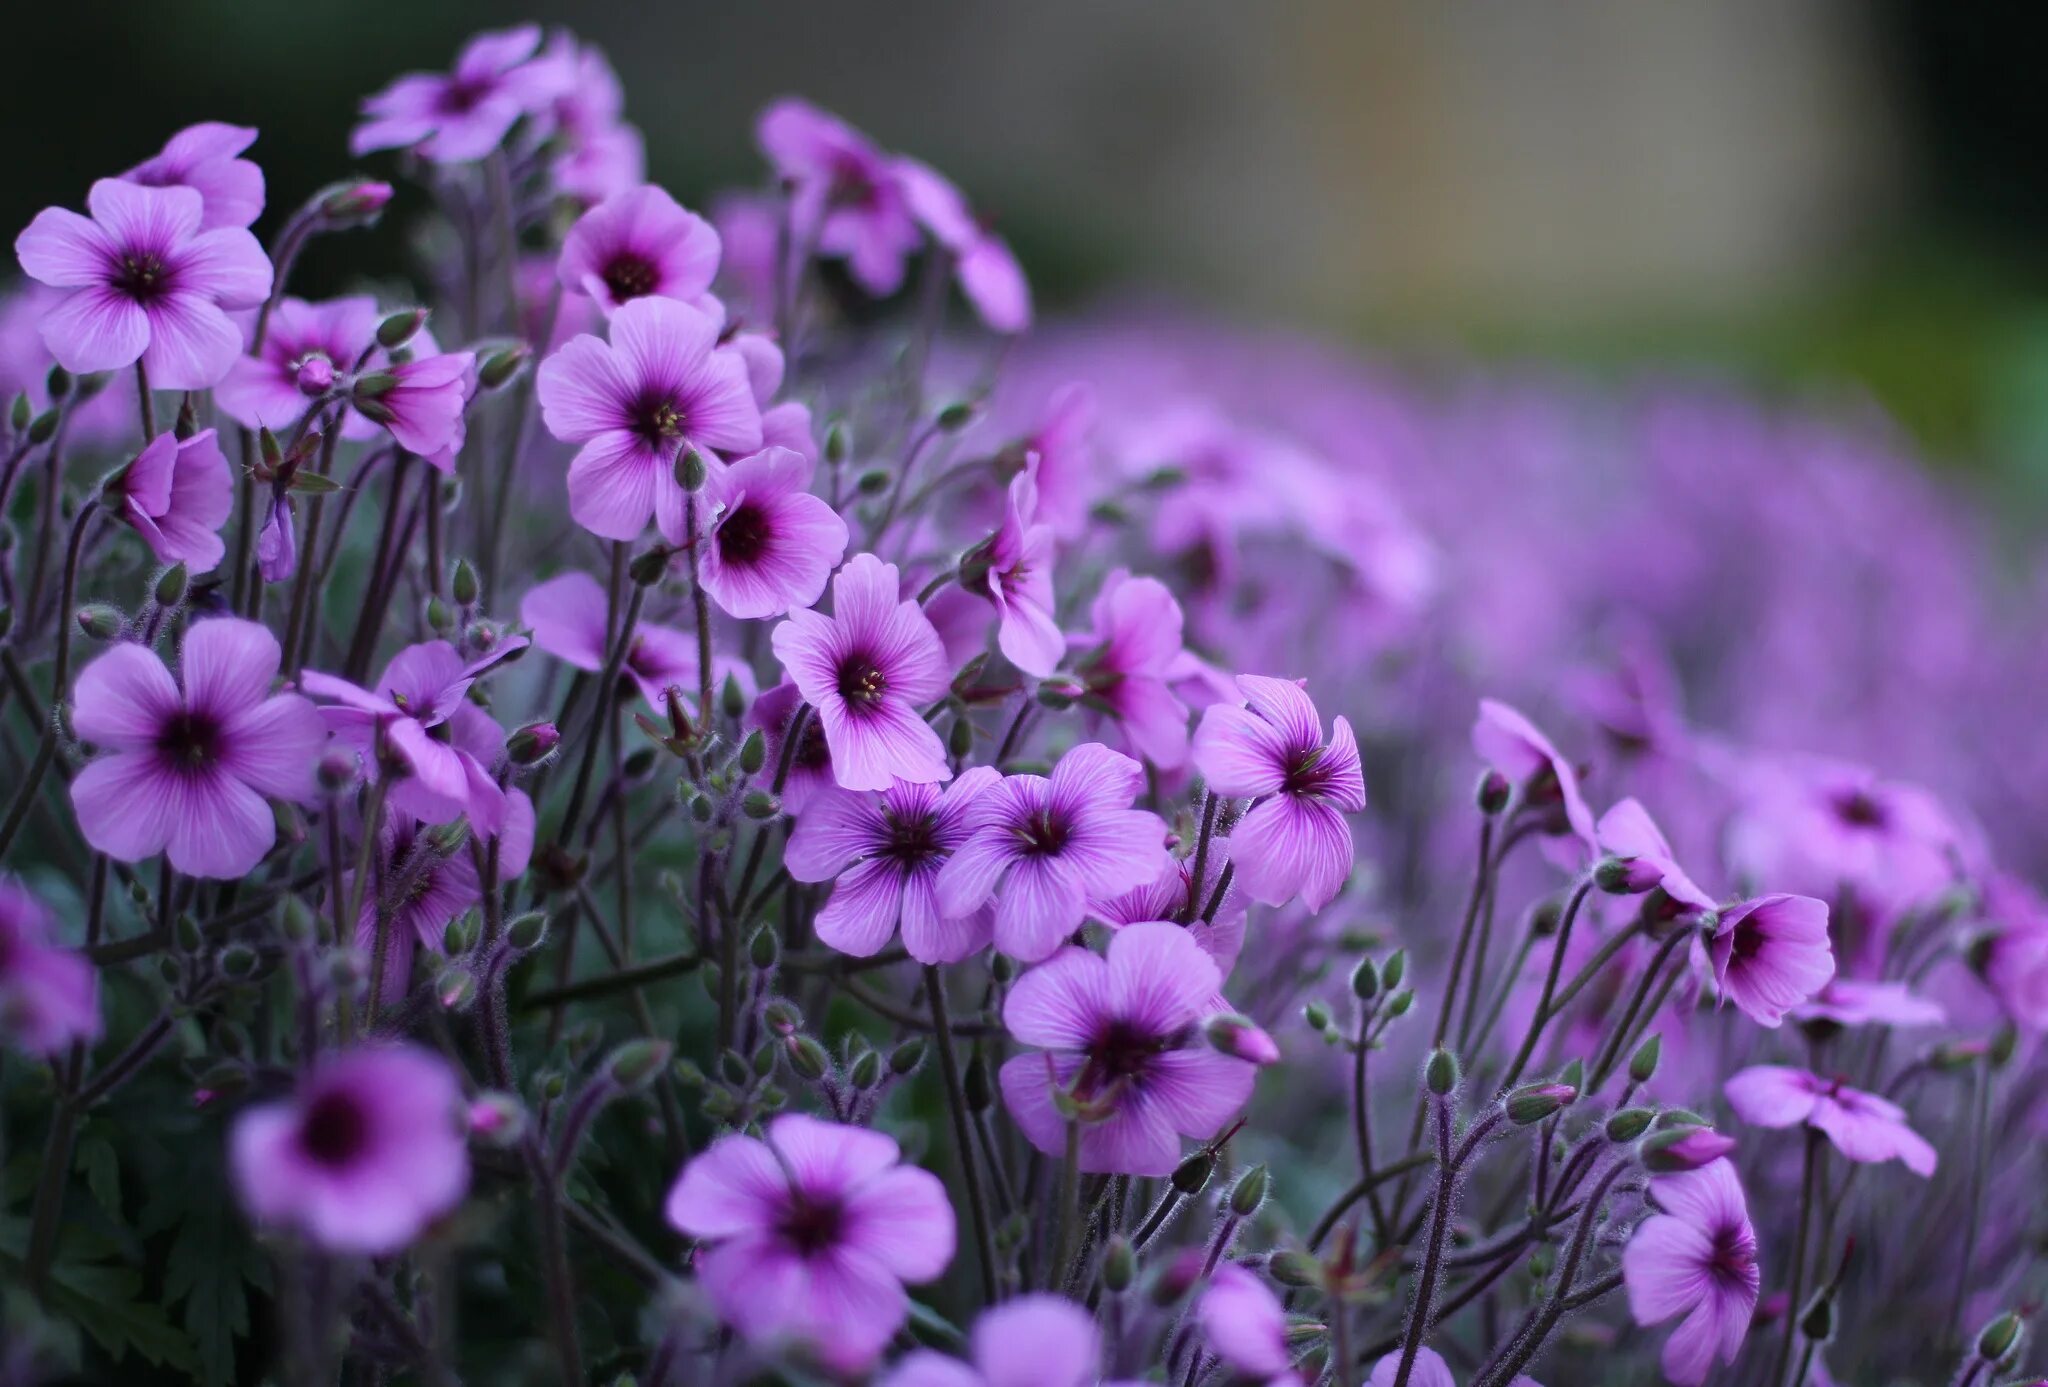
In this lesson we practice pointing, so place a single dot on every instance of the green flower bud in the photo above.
(1642, 1065)
(498, 368)
(866, 1071)
(1119, 1265)
(43, 427)
(400, 328)
(1493, 792)
(807, 1058)
(1536, 1102)
(526, 932)
(455, 988)
(20, 413)
(1193, 1172)
(764, 948)
(956, 416)
(1294, 1269)
(1249, 1192)
(1440, 1072)
(905, 1058)
(874, 481)
(691, 470)
(1998, 1339)
(1365, 980)
(100, 621)
(1396, 969)
(463, 585)
(1628, 1124)
(754, 752)
(759, 804)
(635, 1064)
(171, 585)
(238, 960)
(838, 443)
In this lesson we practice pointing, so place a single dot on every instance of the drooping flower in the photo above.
(771, 544)
(660, 387)
(463, 114)
(49, 996)
(1772, 953)
(1295, 841)
(1246, 1327)
(422, 402)
(1864, 1127)
(1120, 1035)
(202, 157)
(1847, 1002)
(1696, 1257)
(1128, 664)
(641, 243)
(419, 712)
(277, 543)
(419, 889)
(177, 493)
(1045, 847)
(1628, 832)
(362, 1157)
(989, 275)
(813, 1229)
(810, 765)
(188, 772)
(1430, 1370)
(568, 615)
(146, 283)
(883, 853)
(306, 347)
(1031, 1340)
(865, 670)
(1013, 570)
(848, 200)
(1512, 745)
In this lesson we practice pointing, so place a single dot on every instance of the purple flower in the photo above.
(422, 402)
(813, 1231)
(1131, 657)
(770, 544)
(1246, 1327)
(1846, 1002)
(1863, 1126)
(419, 713)
(147, 282)
(568, 615)
(49, 997)
(187, 772)
(1013, 569)
(810, 765)
(1696, 1258)
(277, 544)
(883, 854)
(1031, 1340)
(601, 154)
(989, 275)
(178, 493)
(1295, 840)
(1430, 1370)
(1628, 832)
(364, 1155)
(1121, 1036)
(464, 114)
(865, 670)
(661, 386)
(1046, 847)
(638, 244)
(421, 890)
(2015, 953)
(847, 198)
(306, 346)
(1510, 743)
(202, 157)
(1772, 953)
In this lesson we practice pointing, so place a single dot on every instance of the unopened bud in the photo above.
(1193, 1172)
(759, 804)
(1642, 1065)
(956, 416)
(458, 936)
(315, 377)
(1317, 1016)
(1400, 1004)
(1440, 1072)
(1249, 1192)
(20, 412)
(43, 427)
(763, 948)
(463, 585)
(1678, 1149)
(1119, 1265)
(497, 1119)
(354, 202)
(171, 585)
(1294, 1269)
(960, 739)
(905, 1058)
(690, 470)
(533, 743)
(455, 989)
(238, 960)
(754, 752)
(866, 1071)
(1239, 1038)
(1623, 876)
(634, 1064)
(526, 932)
(498, 368)
(1493, 792)
(838, 443)
(649, 566)
(1395, 969)
(807, 1058)
(1628, 1124)
(1997, 1340)
(338, 770)
(400, 328)
(57, 382)
(732, 699)
(873, 482)
(99, 621)
(295, 921)
(980, 1094)
(1535, 1102)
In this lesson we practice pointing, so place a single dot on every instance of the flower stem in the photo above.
(1433, 1249)
(1808, 1182)
(1544, 1007)
(963, 1139)
(1069, 1209)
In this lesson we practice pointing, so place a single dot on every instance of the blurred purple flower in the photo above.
(1772, 953)
(202, 157)
(1129, 657)
(1696, 1258)
(1511, 744)
(1030, 1340)
(1246, 1327)
(847, 199)
(49, 997)
(464, 114)
(1863, 1126)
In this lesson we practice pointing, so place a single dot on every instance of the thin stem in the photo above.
(1069, 1208)
(1544, 1008)
(144, 402)
(963, 1141)
(1433, 1253)
(1808, 1183)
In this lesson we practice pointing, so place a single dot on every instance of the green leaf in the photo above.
(102, 1299)
(314, 482)
(210, 1267)
(102, 1166)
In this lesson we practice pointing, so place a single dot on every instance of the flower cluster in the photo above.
(660, 801)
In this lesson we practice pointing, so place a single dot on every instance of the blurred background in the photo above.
(1837, 192)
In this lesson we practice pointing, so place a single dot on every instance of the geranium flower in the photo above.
(1847, 1002)
(849, 201)
(638, 244)
(1696, 1258)
(306, 347)
(1512, 745)
(1772, 953)
(990, 277)
(202, 157)
(49, 997)
(1045, 847)
(362, 1157)
(146, 281)
(1430, 1370)
(1128, 664)
(464, 114)
(1120, 1035)
(1628, 832)
(812, 1231)
(865, 670)
(883, 854)
(1863, 1126)
(421, 401)
(1031, 1340)
(177, 493)
(1295, 840)
(568, 615)
(1246, 1327)
(770, 544)
(1013, 570)
(188, 772)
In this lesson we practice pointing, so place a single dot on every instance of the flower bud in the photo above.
(960, 739)
(1399, 1005)
(754, 752)
(873, 482)
(635, 1064)
(463, 584)
(649, 566)
(1440, 1072)
(974, 1084)
(1177, 1277)
(1628, 1124)
(1249, 1192)
(1395, 969)
(1535, 1102)
(1642, 1065)
(295, 921)
(1678, 1149)
(455, 989)
(315, 377)
(1493, 792)
(526, 932)
(355, 202)
(866, 1071)
(956, 416)
(497, 1119)
(100, 621)
(1623, 876)
(533, 743)
(238, 960)
(1317, 1016)
(763, 949)
(400, 328)
(838, 443)
(1119, 1265)
(1365, 980)
(20, 412)
(732, 699)
(807, 1058)
(759, 804)
(904, 1059)
(338, 770)
(1193, 1172)
(690, 470)
(43, 427)
(459, 935)
(1294, 1269)
(171, 585)
(1238, 1038)
(1997, 1340)
(498, 368)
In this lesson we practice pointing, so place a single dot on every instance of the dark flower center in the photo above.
(1734, 1254)
(861, 682)
(142, 275)
(813, 753)
(1748, 941)
(812, 1225)
(1043, 834)
(658, 418)
(335, 1129)
(1860, 810)
(1306, 774)
(190, 739)
(461, 96)
(629, 275)
(743, 534)
(912, 841)
(1120, 1053)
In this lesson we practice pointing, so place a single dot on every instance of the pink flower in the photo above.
(147, 282)
(1628, 832)
(1430, 1370)
(662, 386)
(425, 892)
(1130, 659)
(189, 772)
(277, 544)
(601, 154)
(771, 544)
(306, 346)
(1069, 479)
(567, 615)
(1168, 897)
(1846, 1002)
(812, 1233)
(1046, 847)
(1510, 743)
(810, 765)
(1246, 1327)
(1013, 569)
(365, 1155)
(177, 494)
(1772, 953)
(1295, 840)
(865, 670)
(1696, 1258)
(848, 200)
(202, 157)
(419, 712)
(883, 854)
(1119, 1035)
(422, 402)
(1031, 1340)
(462, 115)
(988, 273)
(637, 244)
(49, 997)
(1863, 1126)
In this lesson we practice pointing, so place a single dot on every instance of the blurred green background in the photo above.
(1843, 192)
